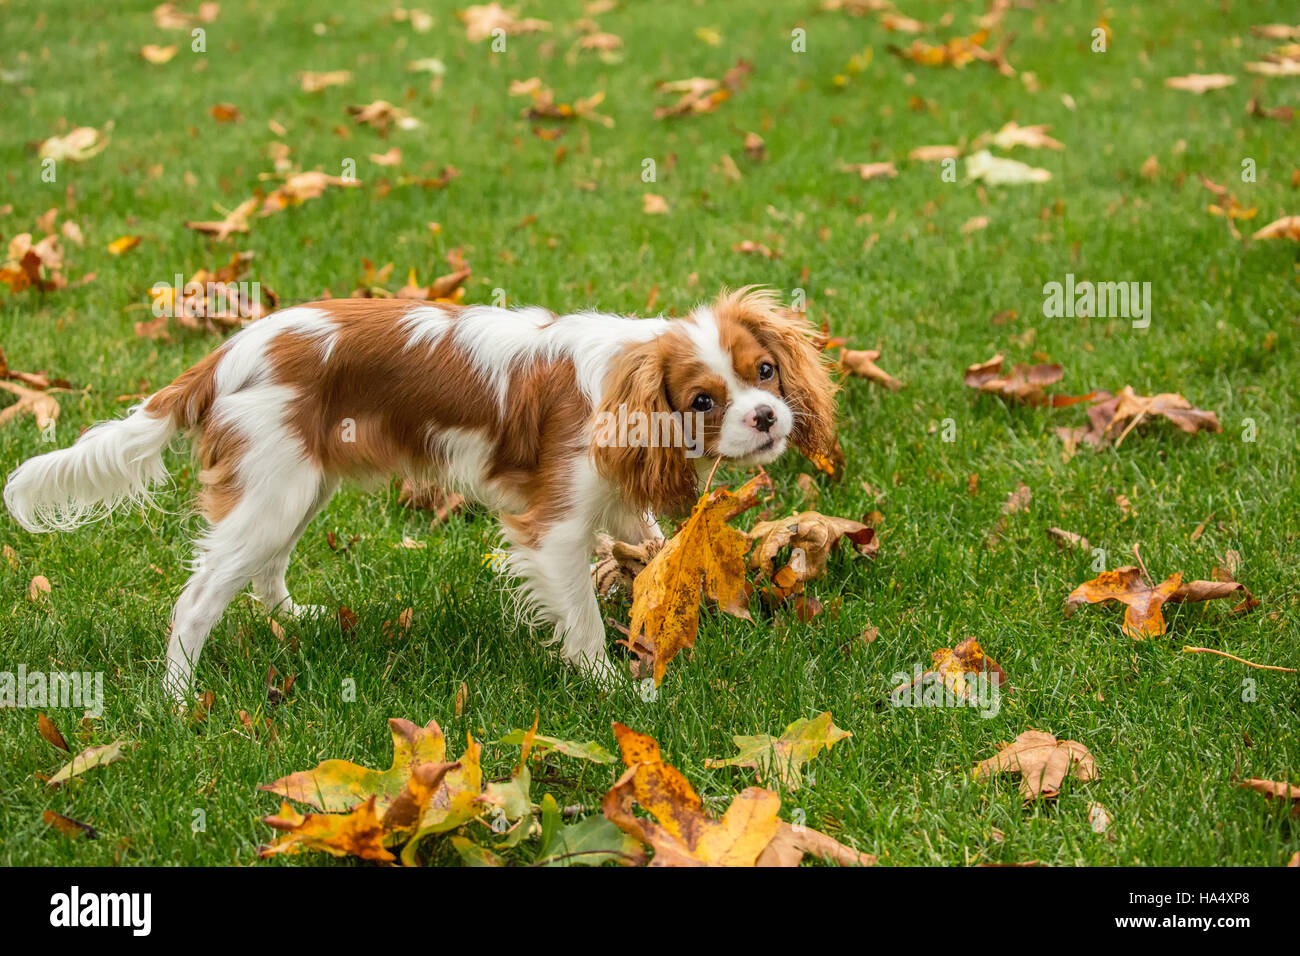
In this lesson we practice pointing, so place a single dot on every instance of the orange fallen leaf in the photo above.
(750, 832)
(1142, 600)
(225, 112)
(1275, 790)
(123, 244)
(358, 833)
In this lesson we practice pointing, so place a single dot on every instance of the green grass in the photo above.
(1170, 732)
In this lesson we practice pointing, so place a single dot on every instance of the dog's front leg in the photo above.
(556, 584)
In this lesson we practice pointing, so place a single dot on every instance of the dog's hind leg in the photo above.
(257, 509)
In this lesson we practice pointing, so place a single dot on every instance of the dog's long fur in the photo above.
(501, 404)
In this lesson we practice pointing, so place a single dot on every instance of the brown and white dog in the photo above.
(565, 426)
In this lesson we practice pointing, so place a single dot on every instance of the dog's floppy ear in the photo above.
(806, 382)
(652, 476)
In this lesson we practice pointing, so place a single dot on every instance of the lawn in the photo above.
(560, 223)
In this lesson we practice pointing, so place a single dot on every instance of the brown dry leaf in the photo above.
(1276, 790)
(1282, 62)
(1109, 416)
(1024, 383)
(816, 534)
(430, 496)
(69, 827)
(390, 158)
(381, 114)
(50, 732)
(168, 16)
(1142, 600)
(652, 204)
(701, 94)
(862, 364)
(41, 405)
(750, 832)
(1043, 763)
(755, 148)
(618, 563)
(482, 20)
(300, 187)
(152, 53)
(1277, 31)
(312, 81)
(870, 170)
(1065, 538)
(1013, 134)
(934, 154)
(974, 224)
(234, 221)
(78, 146)
(705, 558)
(1224, 585)
(750, 247)
(1288, 227)
(1200, 82)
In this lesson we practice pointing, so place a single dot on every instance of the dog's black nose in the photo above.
(764, 418)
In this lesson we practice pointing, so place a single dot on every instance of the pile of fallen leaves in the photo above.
(444, 288)
(423, 796)
(209, 300)
(1111, 418)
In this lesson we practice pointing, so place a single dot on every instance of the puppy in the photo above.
(563, 425)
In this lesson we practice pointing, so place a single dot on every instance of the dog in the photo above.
(565, 426)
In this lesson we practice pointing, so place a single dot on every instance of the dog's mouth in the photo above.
(769, 450)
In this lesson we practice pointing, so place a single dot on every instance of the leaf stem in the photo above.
(1240, 660)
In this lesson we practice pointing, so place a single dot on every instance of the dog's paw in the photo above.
(603, 672)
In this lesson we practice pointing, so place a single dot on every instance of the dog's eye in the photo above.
(765, 371)
(702, 403)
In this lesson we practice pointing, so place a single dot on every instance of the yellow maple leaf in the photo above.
(707, 556)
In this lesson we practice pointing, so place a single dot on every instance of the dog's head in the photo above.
(739, 379)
